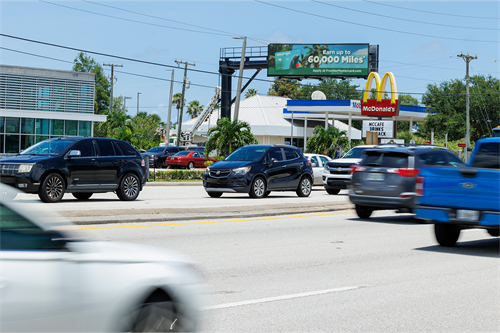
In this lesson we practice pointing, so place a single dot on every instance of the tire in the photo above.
(305, 186)
(52, 188)
(446, 234)
(258, 188)
(494, 232)
(215, 194)
(363, 212)
(332, 191)
(267, 194)
(190, 166)
(158, 164)
(129, 187)
(156, 316)
(82, 195)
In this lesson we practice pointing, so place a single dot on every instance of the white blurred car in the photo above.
(318, 162)
(53, 284)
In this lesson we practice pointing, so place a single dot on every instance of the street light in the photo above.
(138, 102)
(242, 62)
(169, 112)
(125, 103)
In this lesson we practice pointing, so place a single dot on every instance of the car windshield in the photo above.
(48, 147)
(355, 153)
(156, 150)
(183, 153)
(247, 154)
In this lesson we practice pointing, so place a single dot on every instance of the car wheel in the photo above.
(158, 164)
(446, 235)
(332, 191)
(214, 194)
(156, 316)
(129, 187)
(304, 189)
(82, 195)
(52, 188)
(258, 188)
(190, 165)
(363, 211)
(494, 232)
(267, 194)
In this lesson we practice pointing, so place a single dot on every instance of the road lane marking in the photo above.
(280, 298)
(204, 222)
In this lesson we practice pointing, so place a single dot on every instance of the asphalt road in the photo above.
(330, 272)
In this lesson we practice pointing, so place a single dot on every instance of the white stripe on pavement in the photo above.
(280, 298)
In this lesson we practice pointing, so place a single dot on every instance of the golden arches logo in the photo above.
(380, 86)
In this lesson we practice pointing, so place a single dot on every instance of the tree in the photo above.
(145, 134)
(85, 63)
(228, 136)
(326, 141)
(404, 126)
(285, 88)
(250, 93)
(447, 103)
(194, 109)
(177, 100)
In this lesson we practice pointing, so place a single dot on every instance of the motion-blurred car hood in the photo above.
(25, 158)
(346, 160)
(229, 164)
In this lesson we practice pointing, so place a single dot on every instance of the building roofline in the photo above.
(53, 73)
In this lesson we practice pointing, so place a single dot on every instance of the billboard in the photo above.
(318, 60)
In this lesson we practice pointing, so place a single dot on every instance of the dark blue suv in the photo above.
(258, 170)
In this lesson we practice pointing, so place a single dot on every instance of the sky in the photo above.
(418, 40)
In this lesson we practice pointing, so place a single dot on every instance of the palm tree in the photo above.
(177, 100)
(326, 141)
(315, 50)
(250, 93)
(228, 136)
(194, 109)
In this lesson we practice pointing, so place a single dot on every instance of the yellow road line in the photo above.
(206, 222)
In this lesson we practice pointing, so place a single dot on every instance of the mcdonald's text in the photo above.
(383, 108)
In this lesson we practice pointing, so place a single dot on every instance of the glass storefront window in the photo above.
(2, 120)
(1, 143)
(11, 125)
(27, 141)
(42, 126)
(84, 128)
(40, 138)
(71, 127)
(27, 126)
(56, 127)
(12, 144)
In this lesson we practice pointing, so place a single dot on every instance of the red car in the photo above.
(187, 159)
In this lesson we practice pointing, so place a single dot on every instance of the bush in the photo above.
(176, 175)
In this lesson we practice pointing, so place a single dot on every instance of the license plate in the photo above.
(467, 215)
(375, 176)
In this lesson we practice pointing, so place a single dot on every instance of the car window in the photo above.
(386, 159)
(439, 158)
(105, 148)
(86, 148)
(276, 154)
(487, 156)
(48, 147)
(183, 153)
(250, 153)
(323, 159)
(196, 154)
(18, 233)
(155, 150)
(126, 149)
(290, 154)
(355, 153)
(314, 161)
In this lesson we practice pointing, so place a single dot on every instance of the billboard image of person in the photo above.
(321, 60)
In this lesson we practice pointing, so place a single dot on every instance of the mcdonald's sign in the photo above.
(380, 107)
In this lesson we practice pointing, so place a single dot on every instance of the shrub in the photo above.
(175, 175)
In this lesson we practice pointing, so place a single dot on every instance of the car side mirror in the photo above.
(74, 153)
(272, 161)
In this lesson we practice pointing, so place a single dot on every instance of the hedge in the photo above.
(173, 175)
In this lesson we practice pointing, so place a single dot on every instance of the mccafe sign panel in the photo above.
(380, 107)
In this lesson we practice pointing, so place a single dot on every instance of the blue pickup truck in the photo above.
(456, 199)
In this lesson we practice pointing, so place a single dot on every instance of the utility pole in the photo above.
(112, 81)
(125, 103)
(169, 112)
(138, 102)
(467, 58)
(179, 122)
(240, 73)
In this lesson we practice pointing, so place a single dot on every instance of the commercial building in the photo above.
(37, 104)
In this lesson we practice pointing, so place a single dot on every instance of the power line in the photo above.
(373, 27)
(425, 11)
(401, 19)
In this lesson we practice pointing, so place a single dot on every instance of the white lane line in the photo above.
(279, 298)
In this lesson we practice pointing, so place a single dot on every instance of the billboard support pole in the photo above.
(349, 129)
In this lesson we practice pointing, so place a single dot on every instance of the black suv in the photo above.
(158, 155)
(258, 170)
(81, 166)
(386, 177)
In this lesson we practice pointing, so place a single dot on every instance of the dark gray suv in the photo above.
(386, 177)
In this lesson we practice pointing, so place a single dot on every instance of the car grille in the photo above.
(219, 173)
(339, 169)
(8, 169)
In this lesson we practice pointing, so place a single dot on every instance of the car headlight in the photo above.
(325, 168)
(25, 168)
(241, 171)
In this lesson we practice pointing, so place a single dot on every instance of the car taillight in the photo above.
(309, 163)
(419, 187)
(356, 168)
(408, 172)
(143, 163)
